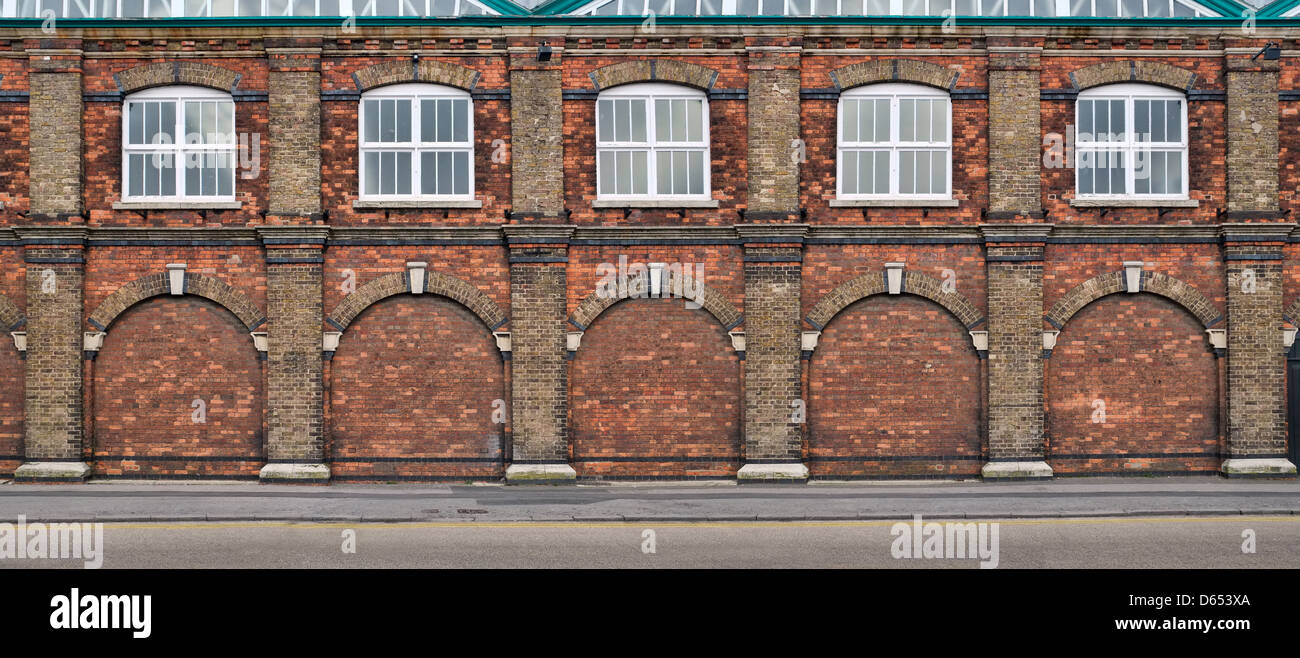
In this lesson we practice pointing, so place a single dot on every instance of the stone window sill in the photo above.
(177, 205)
(654, 203)
(1135, 203)
(432, 204)
(894, 203)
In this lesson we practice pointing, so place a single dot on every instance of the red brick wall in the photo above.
(655, 379)
(894, 377)
(11, 408)
(414, 379)
(160, 356)
(1148, 360)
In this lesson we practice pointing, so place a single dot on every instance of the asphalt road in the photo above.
(1134, 542)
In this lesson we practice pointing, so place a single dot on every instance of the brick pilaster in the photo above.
(54, 425)
(1015, 149)
(1252, 116)
(773, 129)
(294, 112)
(295, 398)
(55, 111)
(536, 133)
(539, 406)
(1257, 429)
(1014, 258)
(773, 256)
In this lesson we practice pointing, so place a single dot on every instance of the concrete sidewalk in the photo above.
(119, 501)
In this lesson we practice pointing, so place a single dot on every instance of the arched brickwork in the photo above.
(1293, 313)
(162, 355)
(434, 283)
(894, 391)
(655, 392)
(1113, 282)
(414, 386)
(654, 70)
(678, 283)
(185, 72)
(894, 70)
(11, 317)
(1132, 386)
(199, 285)
(430, 71)
(1129, 70)
(915, 283)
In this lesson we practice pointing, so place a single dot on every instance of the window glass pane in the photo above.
(825, 8)
(696, 159)
(1084, 133)
(429, 173)
(1142, 121)
(404, 173)
(1018, 8)
(881, 167)
(1117, 185)
(1101, 121)
(680, 172)
(638, 120)
(135, 175)
(250, 7)
(663, 173)
(1132, 7)
(1107, 8)
(659, 7)
(663, 121)
(1174, 120)
(460, 120)
(607, 172)
(444, 119)
(906, 172)
(460, 166)
(371, 112)
(605, 117)
(1044, 7)
(849, 122)
(622, 120)
(939, 122)
(1085, 168)
(387, 172)
(1157, 120)
(710, 7)
(799, 7)
(907, 117)
(1158, 8)
(679, 121)
(1118, 127)
(1174, 168)
(624, 170)
(135, 123)
(923, 121)
(937, 7)
(967, 7)
(304, 7)
(387, 120)
(207, 135)
(446, 172)
(849, 172)
(196, 7)
(882, 120)
(640, 173)
(442, 7)
(1183, 11)
(370, 173)
(939, 172)
(1080, 7)
(877, 7)
(773, 7)
(695, 121)
(277, 7)
(1142, 172)
(747, 7)
(329, 8)
(913, 8)
(193, 123)
(402, 115)
(922, 172)
(226, 122)
(428, 120)
(866, 180)
(992, 8)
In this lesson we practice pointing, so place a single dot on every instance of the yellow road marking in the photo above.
(309, 525)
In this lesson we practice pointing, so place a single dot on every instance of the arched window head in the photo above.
(417, 143)
(178, 144)
(1131, 143)
(652, 143)
(895, 142)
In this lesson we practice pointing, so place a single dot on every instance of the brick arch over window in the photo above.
(1128, 70)
(154, 285)
(435, 283)
(176, 73)
(1292, 314)
(1153, 282)
(654, 70)
(11, 317)
(914, 283)
(428, 71)
(894, 70)
(724, 311)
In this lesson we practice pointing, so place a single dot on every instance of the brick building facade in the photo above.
(558, 318)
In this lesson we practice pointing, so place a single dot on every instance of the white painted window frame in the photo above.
(894, 92)
(1129, 92)
(180, 94)
(650, 92)
(414, 92)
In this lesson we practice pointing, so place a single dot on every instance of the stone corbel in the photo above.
(808, 343)
(738, 342)
(503, 343)
(572, 341)
(1218, 340)
(329, 343)
(259, 342)
(91, 343)
(1288, 337)
(980, 339)
(20, 341)
(1049, 342)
